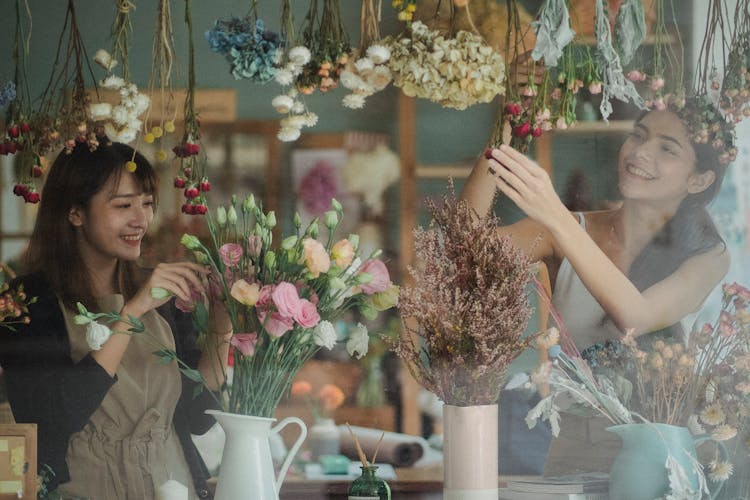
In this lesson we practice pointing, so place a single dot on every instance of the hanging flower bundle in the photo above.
(192, 176)
(735, 88)
(457, 70)
(367, 71)
(120, 122)
(248, 46)
(290, 64)
(329, 47)
(18, 138)
(160, 82)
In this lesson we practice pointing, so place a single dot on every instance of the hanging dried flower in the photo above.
(455, 72)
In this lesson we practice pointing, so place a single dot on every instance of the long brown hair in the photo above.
(73, 180)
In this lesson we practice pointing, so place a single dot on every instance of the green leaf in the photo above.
(160, 293)
(200, 317)
(165, 356)
(197, 390)
(192, 374)
(137, 324)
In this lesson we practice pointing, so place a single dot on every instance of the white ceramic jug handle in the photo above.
(293, 450)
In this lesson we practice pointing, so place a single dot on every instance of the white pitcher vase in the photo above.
(246, 471)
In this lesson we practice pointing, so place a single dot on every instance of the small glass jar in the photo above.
(368, 486)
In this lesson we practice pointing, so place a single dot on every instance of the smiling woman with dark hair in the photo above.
(113, 422)
(644, 265)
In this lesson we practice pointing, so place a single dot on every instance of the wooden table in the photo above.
(411, 483)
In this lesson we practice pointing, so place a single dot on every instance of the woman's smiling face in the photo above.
(114, 224)
(657, 161)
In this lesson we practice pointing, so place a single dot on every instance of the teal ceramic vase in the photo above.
(639, 471)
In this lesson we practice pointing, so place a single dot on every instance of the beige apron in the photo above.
(129, 446)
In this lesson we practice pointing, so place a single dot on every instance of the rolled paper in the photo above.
(172, 490)
(398, 450)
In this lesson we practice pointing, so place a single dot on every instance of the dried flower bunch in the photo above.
(14, 303)
(248, 46)
(456, 72)
(366, 70)
(329, 47)
(465, 315)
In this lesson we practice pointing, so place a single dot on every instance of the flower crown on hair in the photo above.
(705, 123)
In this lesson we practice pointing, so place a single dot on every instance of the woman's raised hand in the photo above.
(180, 279)
(527, 184)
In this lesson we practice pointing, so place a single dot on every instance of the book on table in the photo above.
(507, 494)
(588, 482)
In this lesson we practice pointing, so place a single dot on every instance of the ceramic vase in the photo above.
(246, 471)
(470, 452)
(639, 468)
(323, 438)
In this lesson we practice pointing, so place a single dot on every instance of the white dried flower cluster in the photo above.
(289, 103)
(287, 71)
(366, 75)
(455, 72)
(297, 115)
(121, 121)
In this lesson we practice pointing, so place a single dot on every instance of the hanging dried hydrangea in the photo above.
(455, 72)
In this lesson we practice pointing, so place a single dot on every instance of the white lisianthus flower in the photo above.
(284, 76)
(354, 101)
(103, 59)
(299, 55)
(380, 77)
(97, 334)
(378, 53)
(282, 103)
(358, 341)
(294, 121)
(325, 335)
(112, 82)
(288, 134)
(100, 111)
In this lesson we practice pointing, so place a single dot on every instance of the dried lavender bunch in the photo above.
(465, 315)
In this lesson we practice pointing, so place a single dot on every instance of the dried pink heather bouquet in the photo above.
(466, 312)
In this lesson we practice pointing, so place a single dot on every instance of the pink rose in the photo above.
(315, 257)
(245, 342)
(245, 293)
(308, 316)
(380, 278)
(286, 299)
(230, 254)
(275, 324)
(342, 253)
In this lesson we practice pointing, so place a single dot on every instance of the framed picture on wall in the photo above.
(18, 461)
(316, 179)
